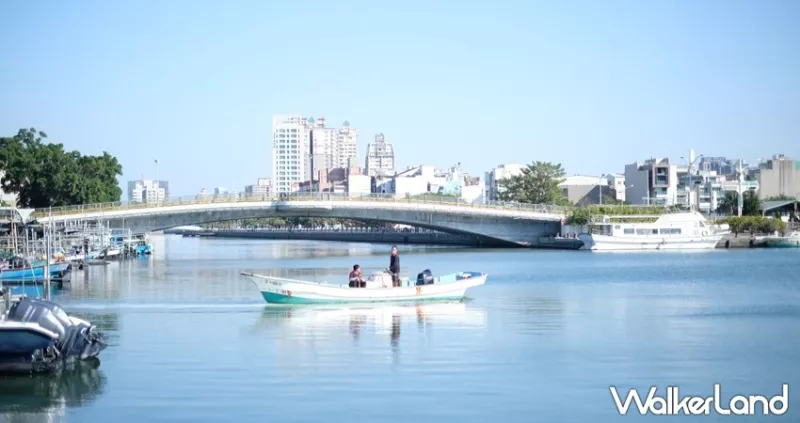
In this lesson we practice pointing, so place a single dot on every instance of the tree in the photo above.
(729, 204)
(580, 216)
(44, 175)
(755, 224)
(538, 184)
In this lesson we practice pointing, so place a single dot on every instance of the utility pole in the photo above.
(47, 234)
(740, 190)
(158, 185)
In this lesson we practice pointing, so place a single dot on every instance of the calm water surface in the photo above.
(193, 341)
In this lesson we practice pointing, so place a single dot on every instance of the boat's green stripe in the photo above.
(273, 298)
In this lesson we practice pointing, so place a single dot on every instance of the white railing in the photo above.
(310, 196)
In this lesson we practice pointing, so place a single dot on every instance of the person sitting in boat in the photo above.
(394, 266)
(356, 281)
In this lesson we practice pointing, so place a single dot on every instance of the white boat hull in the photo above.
(620, 243)
(288, 291)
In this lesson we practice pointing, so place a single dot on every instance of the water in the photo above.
(192, 341)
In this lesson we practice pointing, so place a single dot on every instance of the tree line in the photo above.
(45, 175)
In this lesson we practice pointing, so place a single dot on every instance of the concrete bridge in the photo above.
(513, 224)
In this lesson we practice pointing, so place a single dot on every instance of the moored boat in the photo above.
(678, 231)
(37, 335)
(378, 289)
(789, 241)
(34, 272)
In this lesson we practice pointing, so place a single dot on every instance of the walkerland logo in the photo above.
(673, 404)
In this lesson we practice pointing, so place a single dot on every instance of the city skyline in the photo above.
(537, 81)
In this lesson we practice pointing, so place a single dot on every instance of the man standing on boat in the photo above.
(394, 266)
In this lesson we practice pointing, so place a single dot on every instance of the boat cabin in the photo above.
(668, 225)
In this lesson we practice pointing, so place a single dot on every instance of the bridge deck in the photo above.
(312, 200)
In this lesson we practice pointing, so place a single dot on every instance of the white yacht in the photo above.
(677, 231)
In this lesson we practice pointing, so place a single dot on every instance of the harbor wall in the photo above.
(741, 241)
(376, 237)
(423, 238)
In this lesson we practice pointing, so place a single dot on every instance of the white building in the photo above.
(616, 182)
(346, 146)
(493, 188)
(147, 191)
(262, 187)
(302, 147)
(654, 181)
(359, 185)
(380, 159)
(426, 179)
(290, 151)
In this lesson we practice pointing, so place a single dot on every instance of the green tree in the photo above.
(44, 175)
(729, 204)
(752, 205)
(580, 216)
(538, 184)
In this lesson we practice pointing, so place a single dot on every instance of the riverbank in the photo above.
(741, 241)
(423, 237)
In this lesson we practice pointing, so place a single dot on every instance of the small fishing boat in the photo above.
(789, 241)
(378, 289)
(113, 253)
(34, 272)
(37, 335)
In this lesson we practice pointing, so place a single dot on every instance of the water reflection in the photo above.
(307, 321)
(36, 290)
(43, 397)
(313, 333)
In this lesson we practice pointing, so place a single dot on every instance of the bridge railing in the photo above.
(301, 196)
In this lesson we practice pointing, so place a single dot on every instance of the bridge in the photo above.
(511, 223)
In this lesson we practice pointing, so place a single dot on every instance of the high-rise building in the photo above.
(380, 159)
(148, 191)
(301, 148)
(290, 151)
(323, 147)
(347, 146)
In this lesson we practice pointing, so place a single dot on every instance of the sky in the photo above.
(591, 85)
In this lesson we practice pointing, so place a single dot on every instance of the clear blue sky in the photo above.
(593, 85)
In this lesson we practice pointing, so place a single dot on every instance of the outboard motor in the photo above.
(425, 278)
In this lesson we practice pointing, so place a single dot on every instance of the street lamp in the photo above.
(691, 179)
